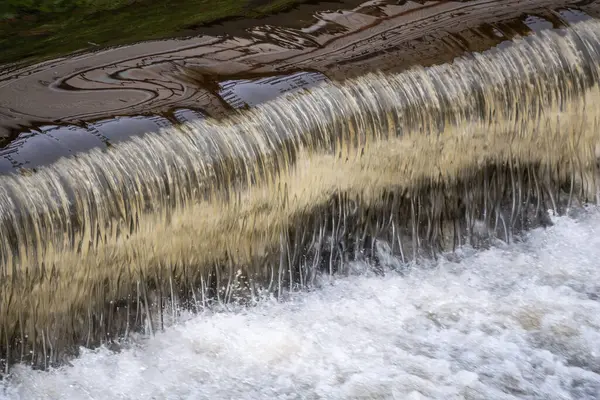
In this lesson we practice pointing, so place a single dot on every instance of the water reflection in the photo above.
(244, 93)
(48, 143)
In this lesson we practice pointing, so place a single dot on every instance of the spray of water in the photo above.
(112, 241)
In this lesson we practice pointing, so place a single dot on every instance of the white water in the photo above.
(516, 321)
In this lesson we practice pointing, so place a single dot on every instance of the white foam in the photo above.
(517, 321)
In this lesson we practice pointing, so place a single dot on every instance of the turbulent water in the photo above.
(519, 321)
(94, 246)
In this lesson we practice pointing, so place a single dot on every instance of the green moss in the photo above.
(43, 29)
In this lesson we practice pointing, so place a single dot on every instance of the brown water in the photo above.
(70, 105)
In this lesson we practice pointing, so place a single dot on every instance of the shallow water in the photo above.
(514, 321)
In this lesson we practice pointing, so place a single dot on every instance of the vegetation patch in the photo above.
(37, 30)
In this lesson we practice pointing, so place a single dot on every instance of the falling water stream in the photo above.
(399, 175)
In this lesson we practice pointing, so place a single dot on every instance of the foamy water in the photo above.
(515, 321)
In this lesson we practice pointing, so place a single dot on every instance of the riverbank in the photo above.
(32, 33)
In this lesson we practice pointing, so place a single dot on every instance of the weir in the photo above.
(114, 241)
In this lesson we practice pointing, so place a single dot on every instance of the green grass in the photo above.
(37, 30)
(56, 6)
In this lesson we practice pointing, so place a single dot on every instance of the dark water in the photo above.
(65, 106)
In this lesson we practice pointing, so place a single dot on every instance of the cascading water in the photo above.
(109, 242)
